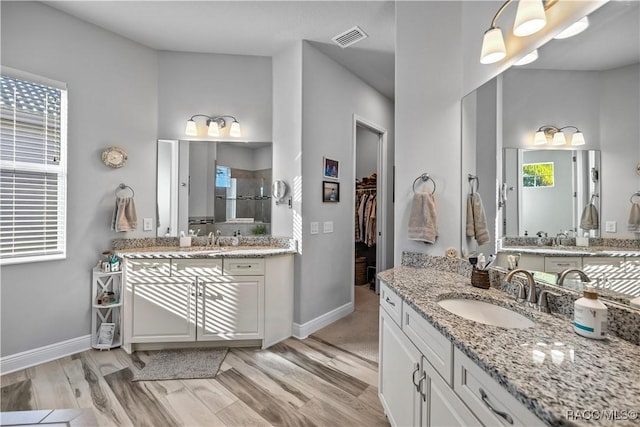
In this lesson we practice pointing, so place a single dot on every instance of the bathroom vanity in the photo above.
(439, 368)
(203, 296)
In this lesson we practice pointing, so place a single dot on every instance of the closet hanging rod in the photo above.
(124, 187)
(424, 177)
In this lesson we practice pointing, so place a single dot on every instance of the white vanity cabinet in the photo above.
(425, 381)
(411, 389)
(197, 300)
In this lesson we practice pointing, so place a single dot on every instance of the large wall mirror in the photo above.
(204, 187)
(590, 81)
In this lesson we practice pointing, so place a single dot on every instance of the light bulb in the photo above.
(578, 139)
(559, 139)
(214, 130)
(191, 128)
(528, 58)
(540, 138)
(574, 29)
(493, 48)
(530, 18)
(235, 129)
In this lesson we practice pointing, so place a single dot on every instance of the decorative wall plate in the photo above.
(114, 157)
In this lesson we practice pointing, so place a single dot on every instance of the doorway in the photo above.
(373, 207)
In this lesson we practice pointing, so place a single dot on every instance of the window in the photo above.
(33, 177)
(537, 175)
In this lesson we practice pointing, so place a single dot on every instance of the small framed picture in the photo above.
(330, 192)
(330, 168)
(105, 335)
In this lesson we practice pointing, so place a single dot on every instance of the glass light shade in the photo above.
(530, 18)
(191, 128)
(540, 138)
(493, 48)
(577, 139)
(214, 130)
(528, 58)
(235, 129)
(574, 29)
(559, 139)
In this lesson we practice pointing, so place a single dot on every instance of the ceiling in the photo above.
(262, 28)
(611, 41)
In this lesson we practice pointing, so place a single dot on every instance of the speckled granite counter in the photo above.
(549, 368)
(587, 251)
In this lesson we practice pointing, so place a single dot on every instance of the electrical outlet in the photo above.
(327, 227)
(610, 227)
(315, 227)
(147, 224)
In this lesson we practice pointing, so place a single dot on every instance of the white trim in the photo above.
(26, 359)
(306, 329)
(35, 78)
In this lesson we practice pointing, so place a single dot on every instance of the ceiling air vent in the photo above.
(350, 37)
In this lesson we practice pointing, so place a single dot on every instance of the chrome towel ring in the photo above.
(471, 179)
(124, 187)
(637, 193)
(424, 177)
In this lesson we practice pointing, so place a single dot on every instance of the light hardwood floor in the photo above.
(294, 383)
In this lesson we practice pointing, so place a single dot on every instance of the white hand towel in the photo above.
(124, 215)
(590, 219)
(423, 219)
(634, 217)
(477, 220)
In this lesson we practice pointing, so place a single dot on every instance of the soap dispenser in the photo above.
(590, 315)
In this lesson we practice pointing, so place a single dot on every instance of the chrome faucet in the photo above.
(530, 296)
(564, 273)
(560, 238)
(217, 240)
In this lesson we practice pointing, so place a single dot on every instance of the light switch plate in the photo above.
(610, 227)
(147, 224)
(315, 226)
(327, 227)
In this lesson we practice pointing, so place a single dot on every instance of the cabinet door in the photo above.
(163, 312)
(441, 406)
(399, 373)
(230, 310)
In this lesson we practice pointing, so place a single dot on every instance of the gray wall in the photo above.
(109, 104)
(366, 152)
(214, 84)
(334, 94)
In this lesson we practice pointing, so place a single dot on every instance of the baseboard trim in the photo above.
(26, 359)
(302, 331)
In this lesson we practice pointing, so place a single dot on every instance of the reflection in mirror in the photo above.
(549, 191)
(205, 186)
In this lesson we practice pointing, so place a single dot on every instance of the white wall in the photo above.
(331, 94)
(366, 152)
(109, 104)
(263, 159)
(236, 157)
(214, 84)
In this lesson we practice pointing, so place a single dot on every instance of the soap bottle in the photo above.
(234, 239)
(590, 315)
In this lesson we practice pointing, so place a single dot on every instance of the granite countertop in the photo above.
(205, 252)
(576, 373)
(586, 251)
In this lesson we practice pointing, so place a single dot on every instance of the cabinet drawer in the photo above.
(196, 267)
(391, 302)
(470, 382)
(558, 264)
(244, 267)
(150, 267)
(436, 348)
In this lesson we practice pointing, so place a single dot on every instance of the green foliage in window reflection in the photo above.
(537, 175)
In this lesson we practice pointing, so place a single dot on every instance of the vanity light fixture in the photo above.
(530, 18)
(528, 58)
(557, 136)
(214, 124)
(574, 29)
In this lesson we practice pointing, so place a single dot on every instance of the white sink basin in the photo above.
(485, 312)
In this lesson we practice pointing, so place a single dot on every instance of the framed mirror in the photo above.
(205, 186)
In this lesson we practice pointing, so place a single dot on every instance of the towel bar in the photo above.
(424, 177)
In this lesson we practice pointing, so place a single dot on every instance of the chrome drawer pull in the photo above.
(422, 379)
(243, 266)
(391, 303)
(413, 377)
(504, 415)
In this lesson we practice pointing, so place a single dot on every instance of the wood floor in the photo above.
(294, 383)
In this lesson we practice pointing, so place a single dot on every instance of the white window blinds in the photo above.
(33, 171)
